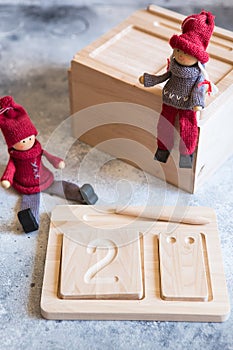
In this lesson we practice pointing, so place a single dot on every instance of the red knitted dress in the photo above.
(26, 172)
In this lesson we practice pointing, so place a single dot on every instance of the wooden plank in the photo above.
(168, 14)
(122, 51)
(98, 264)
(215, 130)
(182, 267)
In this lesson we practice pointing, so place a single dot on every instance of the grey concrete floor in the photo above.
(36, 46)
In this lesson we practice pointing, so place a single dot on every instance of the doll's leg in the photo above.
(188, 131)
(188, 137)
(165, 133)
(29, 213)
(71, 191)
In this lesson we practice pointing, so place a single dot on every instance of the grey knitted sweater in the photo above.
(181, 90)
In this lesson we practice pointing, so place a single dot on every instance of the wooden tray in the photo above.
(154, 270)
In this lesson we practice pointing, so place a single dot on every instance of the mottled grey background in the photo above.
(37, 41)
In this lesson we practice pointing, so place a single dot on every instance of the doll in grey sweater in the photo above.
(184, 92)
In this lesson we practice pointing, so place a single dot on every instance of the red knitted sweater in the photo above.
(26, 172)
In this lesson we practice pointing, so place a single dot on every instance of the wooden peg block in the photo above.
(101, 264)
(182, 267)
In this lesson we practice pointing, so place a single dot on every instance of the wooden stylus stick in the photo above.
(164, 214)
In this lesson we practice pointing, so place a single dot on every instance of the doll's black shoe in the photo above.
(186, 161)
(88, 194)
(161, 155)
(27, 220)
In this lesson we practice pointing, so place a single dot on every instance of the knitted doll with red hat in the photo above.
(185, 90)
(25, 170)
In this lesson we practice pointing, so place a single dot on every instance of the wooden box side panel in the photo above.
(89, 87)
(215, 144)
(126, 130)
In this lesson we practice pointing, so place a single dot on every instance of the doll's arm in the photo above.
(8, 175)
(57, 162)
(197, 108)
(150, 80)
(198, 95)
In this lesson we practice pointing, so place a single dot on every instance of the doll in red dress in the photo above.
(25, 170)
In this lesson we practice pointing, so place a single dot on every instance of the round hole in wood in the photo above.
(171, 239)
(189, 240)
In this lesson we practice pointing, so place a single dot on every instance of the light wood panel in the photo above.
(182, 267)
(98, 264)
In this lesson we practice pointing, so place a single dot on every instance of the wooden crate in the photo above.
(119, 116)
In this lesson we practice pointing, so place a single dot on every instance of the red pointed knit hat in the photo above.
(14, 121)
(195, 37)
